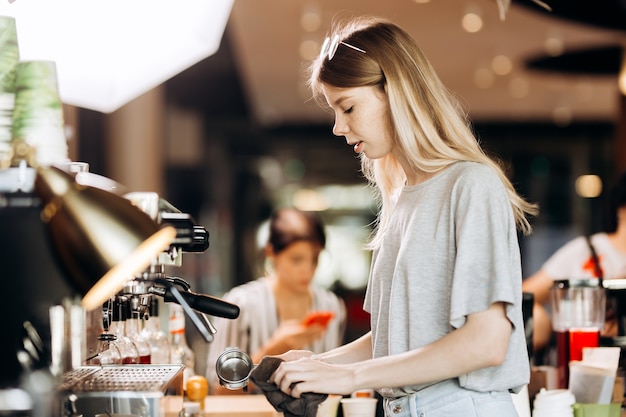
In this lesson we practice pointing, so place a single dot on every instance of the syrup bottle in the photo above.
(133, 330)
(157, 339)
(107, 352)
(181, 352)
(128, 350)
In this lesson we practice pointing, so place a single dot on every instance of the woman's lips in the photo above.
(358, 146)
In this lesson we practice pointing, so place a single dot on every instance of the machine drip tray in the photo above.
(145, 378)
(138, 390)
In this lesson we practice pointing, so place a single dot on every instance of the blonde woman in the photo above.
(445, 288)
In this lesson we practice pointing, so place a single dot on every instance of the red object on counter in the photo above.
(569, 345)
(562, 359)
(582, 338)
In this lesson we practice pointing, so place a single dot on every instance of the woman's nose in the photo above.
(340, 128)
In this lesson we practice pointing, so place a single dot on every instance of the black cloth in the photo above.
(305, 406)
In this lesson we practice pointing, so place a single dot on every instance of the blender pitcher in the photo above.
(578, 313)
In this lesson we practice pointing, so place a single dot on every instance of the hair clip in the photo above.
(330, 45)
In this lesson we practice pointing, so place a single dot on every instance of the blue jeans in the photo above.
(448, 399)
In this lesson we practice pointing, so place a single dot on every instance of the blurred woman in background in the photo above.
(600, 255)
(273, 307)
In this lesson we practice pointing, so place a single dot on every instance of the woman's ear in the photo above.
(268, 262)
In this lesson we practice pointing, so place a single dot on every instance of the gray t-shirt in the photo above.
(450, 250)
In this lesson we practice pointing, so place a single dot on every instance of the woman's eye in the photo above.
(349, 110)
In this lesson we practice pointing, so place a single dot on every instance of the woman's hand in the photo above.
(308, 375)
(290, 335)
(293, 335)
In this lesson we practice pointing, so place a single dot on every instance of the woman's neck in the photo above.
(290, 304)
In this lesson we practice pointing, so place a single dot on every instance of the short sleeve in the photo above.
(487, 267)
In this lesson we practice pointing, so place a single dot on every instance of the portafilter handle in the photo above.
(201, 302)
(233, 368)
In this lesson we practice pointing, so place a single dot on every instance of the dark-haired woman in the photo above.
(274, 306)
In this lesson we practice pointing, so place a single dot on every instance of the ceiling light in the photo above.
(554, 44)
(108, 52)
(588, 186)
(502, 64)
(621, 82)
(472, 22)
(310, 200)
(310, 21)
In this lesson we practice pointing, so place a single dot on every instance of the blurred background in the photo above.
(235, 135)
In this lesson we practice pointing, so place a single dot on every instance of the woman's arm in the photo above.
(355, 351)
(481, 342)
(539, 285)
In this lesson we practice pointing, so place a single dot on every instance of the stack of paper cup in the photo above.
(9, 57)
(554, 403)
(359, 407)
(38, 113)
(329, 407)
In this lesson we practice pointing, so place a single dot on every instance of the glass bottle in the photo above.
(108, 352)
(157, 339)
(181, 352)
(130, 354)
(133, 330)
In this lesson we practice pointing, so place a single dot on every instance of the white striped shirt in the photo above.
(258, 320)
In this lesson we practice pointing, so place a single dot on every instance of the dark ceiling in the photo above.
(600, 60)
(609, 14)
(597, 60)
(214, 86)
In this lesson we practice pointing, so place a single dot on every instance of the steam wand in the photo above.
(200, 302)
(191, 301)
(206, 331)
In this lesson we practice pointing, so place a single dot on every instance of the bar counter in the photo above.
(227, 406)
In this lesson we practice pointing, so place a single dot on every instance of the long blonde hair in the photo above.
(431, 130)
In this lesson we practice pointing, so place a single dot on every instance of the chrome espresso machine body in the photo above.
(129, 390)
(35, 284)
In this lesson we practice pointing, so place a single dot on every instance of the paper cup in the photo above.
(328, 407)
(38, 112)
(116, 415)
(9, 54)
(359, 407)
(591, 384)
(553, 403)
(367, 393)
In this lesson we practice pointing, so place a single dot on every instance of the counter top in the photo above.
(228, 406)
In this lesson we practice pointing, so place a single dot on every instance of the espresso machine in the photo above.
(43, 369)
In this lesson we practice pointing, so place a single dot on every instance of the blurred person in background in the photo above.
(575, 260)
(274, 306)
